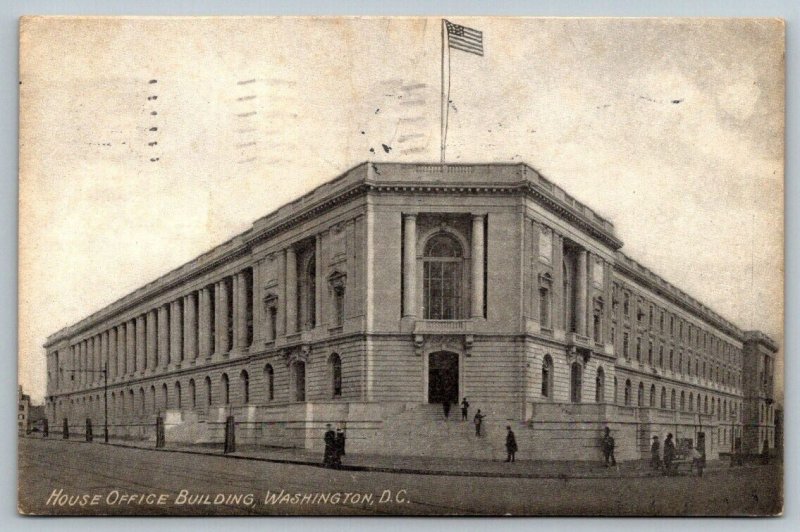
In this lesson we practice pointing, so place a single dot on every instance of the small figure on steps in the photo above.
(511, 444)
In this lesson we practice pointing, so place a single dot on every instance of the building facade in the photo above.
(379, 295)
(23, 411)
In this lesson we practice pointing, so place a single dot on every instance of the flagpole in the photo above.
(443, 108)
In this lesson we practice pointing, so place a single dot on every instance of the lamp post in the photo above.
(104, 371)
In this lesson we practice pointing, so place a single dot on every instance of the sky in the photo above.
(145, 142)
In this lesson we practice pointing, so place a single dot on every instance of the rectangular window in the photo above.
(638, 349)
(273, 323)
(338, 300)
(544, 307)
(625, 346)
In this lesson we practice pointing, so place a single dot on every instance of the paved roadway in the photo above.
(123, 481)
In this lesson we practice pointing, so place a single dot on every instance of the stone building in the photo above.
(393, 288)
(23, 411)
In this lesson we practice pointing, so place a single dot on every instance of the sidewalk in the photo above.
(420, 465)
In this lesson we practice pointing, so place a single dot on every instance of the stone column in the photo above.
(152, 340)
(189, 328)
(239, 312)
(235, 318)
(410, 265)
(112, 354)
(559, 300)
(281, 288)
(204, 318)
(176, 333)
(79, 367)
(259, 322)
(104, 358)
(130, 348)
(90, 359)
(141, 344)
(163, 336)
(319, 284)
(589, 299)
(581, 293)
(477, 266)
(291, 291)
(85, 364)
(222, 295)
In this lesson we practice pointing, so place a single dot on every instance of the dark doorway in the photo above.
(443, 377)
(701, 443)
(300, 380)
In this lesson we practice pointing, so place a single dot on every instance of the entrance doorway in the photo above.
(443, 377)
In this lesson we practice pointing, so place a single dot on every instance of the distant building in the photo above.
(394, 288)
(23, 411)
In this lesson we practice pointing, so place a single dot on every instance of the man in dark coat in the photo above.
(607, 444)
(464, 409)
(339, 447)
(478, 421)
(669, 453)
(330, 444)
(765, 453)
(446, 407)
(511, 444)
(655, 459)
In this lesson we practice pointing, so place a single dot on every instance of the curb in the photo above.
(403, 470)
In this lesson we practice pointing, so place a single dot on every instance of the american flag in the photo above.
(464, 39)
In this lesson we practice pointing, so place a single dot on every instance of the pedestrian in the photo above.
(478, 420)
(669, 453)
(464, 409)
(338, 448)
(330, 443)
(765, 453)
(511, 444)
(655, 459)
(446, 407)
(607, 445)
(698, 460)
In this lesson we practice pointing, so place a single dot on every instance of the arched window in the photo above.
(640, 395)
(244, 379)
(672, 399)
(691, 401)
(141, 401)
(442, 278)
(576, 382)
(269, 376)
(705, 404)
(178, 398)
(547, 377)
(209, 397)
(616, 396)
(628, 392)
(192, 394)
(153, 405)
(599, 386)
(663, 397)
(335, 368)
(165, 395)
(652, 396)
(226, 389)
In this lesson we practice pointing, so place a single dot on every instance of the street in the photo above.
(59, 477)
